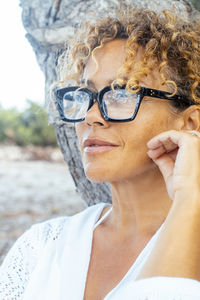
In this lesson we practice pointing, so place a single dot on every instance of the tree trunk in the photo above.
(49, 24)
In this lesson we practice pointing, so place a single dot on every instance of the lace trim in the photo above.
(22, 257)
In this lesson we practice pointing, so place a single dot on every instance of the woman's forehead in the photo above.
(103, 67)
(109, 58)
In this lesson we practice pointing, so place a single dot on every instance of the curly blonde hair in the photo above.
(170, 43)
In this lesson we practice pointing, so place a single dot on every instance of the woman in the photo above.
(135, 106)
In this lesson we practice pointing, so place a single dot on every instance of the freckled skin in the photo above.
(129, 158)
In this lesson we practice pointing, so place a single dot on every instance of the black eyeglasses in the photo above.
(115, 105)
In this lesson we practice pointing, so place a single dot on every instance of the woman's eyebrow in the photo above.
(90, 83)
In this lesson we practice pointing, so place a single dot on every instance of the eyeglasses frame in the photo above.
(98, 96)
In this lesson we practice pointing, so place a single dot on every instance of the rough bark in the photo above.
(49, 24)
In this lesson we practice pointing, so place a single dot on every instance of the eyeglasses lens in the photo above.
(119, 104)
(75, 104)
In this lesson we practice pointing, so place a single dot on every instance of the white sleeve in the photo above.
(163, 288)
(22, 258)
(18, 265)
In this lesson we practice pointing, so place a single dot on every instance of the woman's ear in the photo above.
(191, 118)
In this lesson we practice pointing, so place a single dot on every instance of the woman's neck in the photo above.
(140, 205)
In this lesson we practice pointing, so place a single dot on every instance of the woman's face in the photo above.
(127, 158)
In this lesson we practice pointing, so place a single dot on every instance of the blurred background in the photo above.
(35, 184)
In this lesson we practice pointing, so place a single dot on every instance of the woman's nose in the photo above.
(94, 118)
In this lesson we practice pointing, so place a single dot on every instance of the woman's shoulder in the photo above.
(52, 228)
(37, 244)
(41, 234)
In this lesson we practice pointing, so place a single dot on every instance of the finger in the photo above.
(169, 140)
(166, 165)
(173, 154)
(155, 153)
(189, 149)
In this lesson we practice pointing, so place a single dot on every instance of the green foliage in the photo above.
(27, 127)
(196, 3)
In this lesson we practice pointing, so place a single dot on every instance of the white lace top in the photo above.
(50, 262)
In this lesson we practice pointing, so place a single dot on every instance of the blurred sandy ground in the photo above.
(35, 185)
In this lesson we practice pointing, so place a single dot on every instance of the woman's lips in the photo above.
(96, 146)
(95, 149)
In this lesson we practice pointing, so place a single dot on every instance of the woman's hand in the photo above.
(176, 251)
(177, 154)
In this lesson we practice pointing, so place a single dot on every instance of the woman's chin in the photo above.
(97, 174)
(92, 176)
(103, 172)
